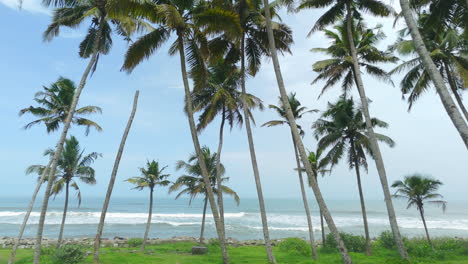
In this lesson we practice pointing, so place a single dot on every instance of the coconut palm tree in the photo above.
(418, 190)
(351, 9)
(73, 165)
(295, 132)
(447, 51)
(220, 95)
(298, 112)
(338, 68)
(97, 41)
(55, 102)
(189, 21)
(152, 176)
(110, 186)
(436, 77)
(192, 183)
(342, 130)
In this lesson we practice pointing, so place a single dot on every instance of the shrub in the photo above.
(47, 250)
(295, 246)
(135, 242)
(419, 247)
(354, 243)
(68, 254)
(386, 240)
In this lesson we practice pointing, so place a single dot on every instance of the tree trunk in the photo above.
(450, 107)
(28, 213)
(110, 187)
(322, 226)
(63, 136)
(306, 203)
(202, 231)
(289, 115)
(421, 211)
(253, 158)
(64, 216)
(453, 87)
(148, 223)
(373, 141)
(196, 144)
(218, 172)
(361, 198)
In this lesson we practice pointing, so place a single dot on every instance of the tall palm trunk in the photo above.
(300, 146)
(253, 158)
(450, 107)
(373, 141)
(202, 230)
(63, 136)
(361, 198)
(453, 87)
(421, 211)
(28, 212)
(110, 186)
(322, 226)
(64, 215)
(306, 203)
(148, 223)
(196, 144)
(218, 171)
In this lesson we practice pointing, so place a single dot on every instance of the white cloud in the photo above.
(32, 6)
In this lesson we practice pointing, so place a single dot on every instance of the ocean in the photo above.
(127, 217)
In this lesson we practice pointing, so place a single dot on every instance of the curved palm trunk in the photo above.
(59, 147)
(373, 141)
(196, 144)
(363, 206)
(148, 223)
(450, 107)
(453, 87)
(202, 231)
(300, 146)
(28, 213)
(306, 203)
(421, 211)
(64, 216)
(218, 172)
(110, 186)
(253, 158)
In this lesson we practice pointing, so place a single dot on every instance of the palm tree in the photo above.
(295, 132)
(193, 183)
(298, 112)
(339, 68)
(351, 9)
(97, 41)
(73, 164)
(342, 130)
(188, 20)
(447, 51)
(56, 101)
(55, 104)
(436, 77)
(151, 177)
(110, 186)
(419, 189)
(220, 95)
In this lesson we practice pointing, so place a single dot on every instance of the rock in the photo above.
(119, 238)
(197, 250)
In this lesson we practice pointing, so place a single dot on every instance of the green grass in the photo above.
(179, 253)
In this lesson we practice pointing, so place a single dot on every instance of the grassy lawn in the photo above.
(179, 253)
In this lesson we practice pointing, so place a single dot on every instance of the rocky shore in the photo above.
(119, 242)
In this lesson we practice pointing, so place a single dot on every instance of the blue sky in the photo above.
(426, 140)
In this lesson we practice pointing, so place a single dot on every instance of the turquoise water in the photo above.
(127, 217)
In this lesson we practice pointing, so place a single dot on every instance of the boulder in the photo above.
(197, 250)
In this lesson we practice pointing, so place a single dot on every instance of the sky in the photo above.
(426, 140)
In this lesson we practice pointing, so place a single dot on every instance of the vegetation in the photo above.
(417, 190)
(68, 254)
(294, 246)
(151, 177)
